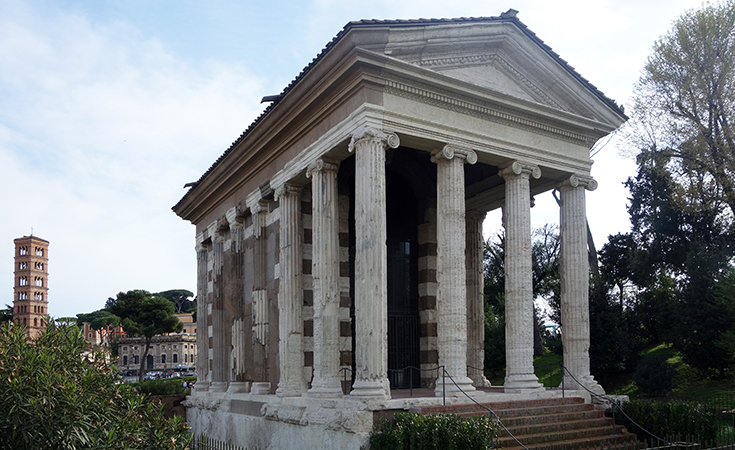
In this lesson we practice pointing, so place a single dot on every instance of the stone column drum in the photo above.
(371, 263)
(518, 278)
(220, 352)
(325, 273)
(451, 273)
(574, 271)
(290, 294)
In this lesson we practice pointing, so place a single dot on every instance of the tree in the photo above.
(684, 107)
(180, 299)
(56, 395)
(6, 315)
(144, 315)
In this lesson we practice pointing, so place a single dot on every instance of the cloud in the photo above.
(99, 130)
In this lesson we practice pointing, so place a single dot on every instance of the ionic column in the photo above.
(518, 278)
(574, 271)
(325, 273)
(475, 299)
(260, 384)
(220, 354)
(371, 263)
(236, 322)
(451, 272)
(202, 363)
(290, 301)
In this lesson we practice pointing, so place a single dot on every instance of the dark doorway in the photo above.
(149, 362)
(403, 312)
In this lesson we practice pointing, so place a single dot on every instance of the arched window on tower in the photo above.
(22, 265)
(22, 281)
(22, 251)
(39, 251)
(39, 281)
(39, 266)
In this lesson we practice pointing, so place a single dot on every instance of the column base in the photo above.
(290, 391)
(218, 386)
(371, 389)
(201, 386)
(521, 383)
(260, 388)
(461, 384)
(587, 381)
(480, 381)
(238, 387)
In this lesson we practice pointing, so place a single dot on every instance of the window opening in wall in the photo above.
(136, 359)
(23, 281)
(22, 295)
(22, 250)
(39, 281)
(39, 266)
(39, 251)
(176, 357)
(125, 360)
(39, 296)
(22, 265)
(163, 359)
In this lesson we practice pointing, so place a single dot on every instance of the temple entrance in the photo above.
(404, 326)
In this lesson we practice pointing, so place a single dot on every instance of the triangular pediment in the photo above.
(503, 57)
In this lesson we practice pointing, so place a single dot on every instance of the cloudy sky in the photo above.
(108, 107)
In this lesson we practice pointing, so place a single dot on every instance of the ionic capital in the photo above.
(387, 140)
(322, 165)
(234, 216)
(520, 168)
(287, 189)
(577, 180)
(452, 151)
(475, 215)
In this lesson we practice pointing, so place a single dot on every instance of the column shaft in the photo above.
(202, 364)
(290, 295)
(325, 273)
(518, 278)
(220, 354)
(451, 272)
(260, 383)
(574, 271)
(371, 263)
(475, 299)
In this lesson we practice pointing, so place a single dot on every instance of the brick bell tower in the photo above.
(30, 292)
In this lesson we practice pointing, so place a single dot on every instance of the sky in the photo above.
(107, 108)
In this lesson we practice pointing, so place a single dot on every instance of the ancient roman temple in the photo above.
(339, 239)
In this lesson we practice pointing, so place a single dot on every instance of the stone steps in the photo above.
(551, 424)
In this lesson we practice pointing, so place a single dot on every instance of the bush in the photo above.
(654, 375)
(670, 420)
(441, 432)
(56, 395)
(170, 386)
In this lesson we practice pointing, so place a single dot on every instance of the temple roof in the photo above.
(508, 17)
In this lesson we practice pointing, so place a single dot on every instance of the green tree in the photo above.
(6, 315)
(142, 314)
(684, 107)
(181, 299)
(56, 395)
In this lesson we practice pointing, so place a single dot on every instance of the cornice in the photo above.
(432, 95)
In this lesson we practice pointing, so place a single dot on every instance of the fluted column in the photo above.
(451, 272)
(260, 384)
(371, 263)
(475, 299)
(202, 364)
(290, 294)
(518, 278)
(574, 271)
(220, 354)
(325, 273)
(239, 339)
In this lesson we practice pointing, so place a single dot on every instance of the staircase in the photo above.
(548, 424)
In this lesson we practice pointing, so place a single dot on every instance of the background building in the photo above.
(30, 292)
(165, 352)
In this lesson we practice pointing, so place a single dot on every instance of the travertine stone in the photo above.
(202, 364)
(258, 210)
(518, 278)
(574, 271)
(220, 354)
(325, 275)
(371, 263)
(238, 335)
(451, 272)
(475, 300)
(290, 294)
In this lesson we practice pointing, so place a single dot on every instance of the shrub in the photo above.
(441, 432)
(670, 420)
(170, 386)
(56, 395)
(654, 375)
